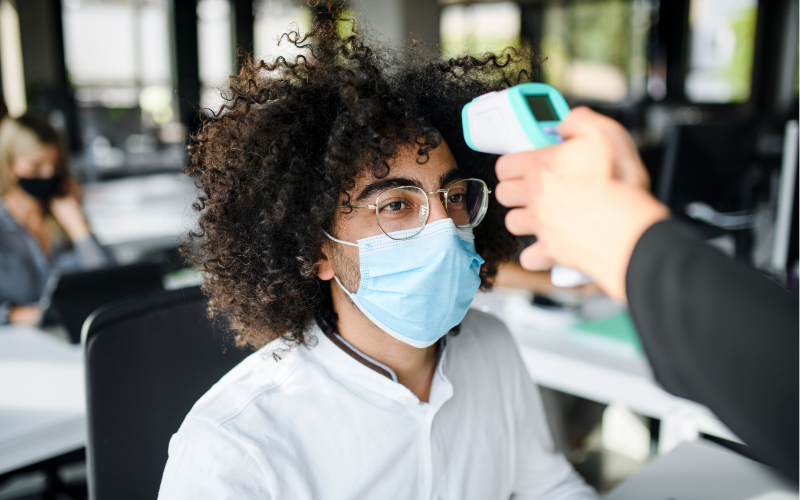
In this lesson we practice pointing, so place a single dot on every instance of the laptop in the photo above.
(703, 470)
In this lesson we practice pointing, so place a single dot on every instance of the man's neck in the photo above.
(413, 366)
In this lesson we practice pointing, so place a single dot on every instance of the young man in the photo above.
(345, 229)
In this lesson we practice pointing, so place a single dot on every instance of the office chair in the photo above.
(716, 166)
(148, 360)
(76, 295)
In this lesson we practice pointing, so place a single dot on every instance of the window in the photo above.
(273, 18)
(479, 28)
(721, 44)
(597, 51)
(118, 56)
(13, 80)
(215, 51)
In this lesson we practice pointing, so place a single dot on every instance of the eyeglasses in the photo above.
(407, 207)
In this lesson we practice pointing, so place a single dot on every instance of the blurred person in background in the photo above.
(42, 227)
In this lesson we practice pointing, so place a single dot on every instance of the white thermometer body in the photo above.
(520, 118)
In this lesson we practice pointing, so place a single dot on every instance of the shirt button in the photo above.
(407, 400)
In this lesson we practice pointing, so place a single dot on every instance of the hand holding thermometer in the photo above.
(521, 118)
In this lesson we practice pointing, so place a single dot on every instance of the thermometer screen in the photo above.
(542, 108)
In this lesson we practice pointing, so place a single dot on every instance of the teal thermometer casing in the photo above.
(520, 118)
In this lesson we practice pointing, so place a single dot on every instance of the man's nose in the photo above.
(438, 212)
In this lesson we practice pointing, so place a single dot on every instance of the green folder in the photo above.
(617, 327)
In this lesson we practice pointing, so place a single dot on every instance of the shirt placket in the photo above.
(424, 413)
(441, 392)
(429, 416)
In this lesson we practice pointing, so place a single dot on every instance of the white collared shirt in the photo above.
(319, 424)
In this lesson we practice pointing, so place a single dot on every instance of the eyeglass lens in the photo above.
(406, 208)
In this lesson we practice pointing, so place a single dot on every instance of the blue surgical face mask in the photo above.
(417, 289)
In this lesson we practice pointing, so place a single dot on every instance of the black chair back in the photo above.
(148, 360)
(77, 295)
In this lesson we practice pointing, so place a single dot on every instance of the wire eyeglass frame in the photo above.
(444, 195)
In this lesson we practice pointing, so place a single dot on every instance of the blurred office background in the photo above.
(124, 80)
(707, 88)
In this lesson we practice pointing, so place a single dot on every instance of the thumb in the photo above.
(582, 121)
(610, 139)
(536, 258)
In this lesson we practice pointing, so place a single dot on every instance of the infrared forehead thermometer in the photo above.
(520, 118)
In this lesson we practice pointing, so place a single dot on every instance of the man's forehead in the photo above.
(439, 170)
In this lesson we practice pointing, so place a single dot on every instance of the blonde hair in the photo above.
(17, 140)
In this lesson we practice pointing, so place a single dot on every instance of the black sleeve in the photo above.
(721, 334)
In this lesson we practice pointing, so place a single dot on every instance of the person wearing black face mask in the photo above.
(42, 189)
(42, 227)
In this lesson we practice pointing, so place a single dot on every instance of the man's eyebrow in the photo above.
(449, 177)
(377, 187)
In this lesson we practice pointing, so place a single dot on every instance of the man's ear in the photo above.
(325, 269)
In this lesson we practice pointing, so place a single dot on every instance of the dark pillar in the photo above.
(531, 32)
(776, 56)
(673, 30)
(243, 21)
(48, 89)
(187, 62)
(422, 23)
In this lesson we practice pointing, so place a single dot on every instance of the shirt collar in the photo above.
(374, 364)
(362, 371)
(362, 358)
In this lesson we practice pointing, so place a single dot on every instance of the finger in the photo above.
(611, 143)
(536, 258)
(513, 193)
(509, 167)
(520, 222)
(582, 121)
(631, 170)
(628, 165)
(518, 165)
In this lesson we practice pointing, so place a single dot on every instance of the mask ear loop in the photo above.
(338, 240)
(345, 290)
(334, 276)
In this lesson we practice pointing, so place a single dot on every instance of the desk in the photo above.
(42, 398)
(603, 370)
(138, 215)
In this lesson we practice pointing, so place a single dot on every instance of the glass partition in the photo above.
(119, 60)
(273, 18)
(479, 28)
(721, 43)
(215, 50)
(597, 51)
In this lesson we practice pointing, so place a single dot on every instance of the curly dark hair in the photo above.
(291, 139)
